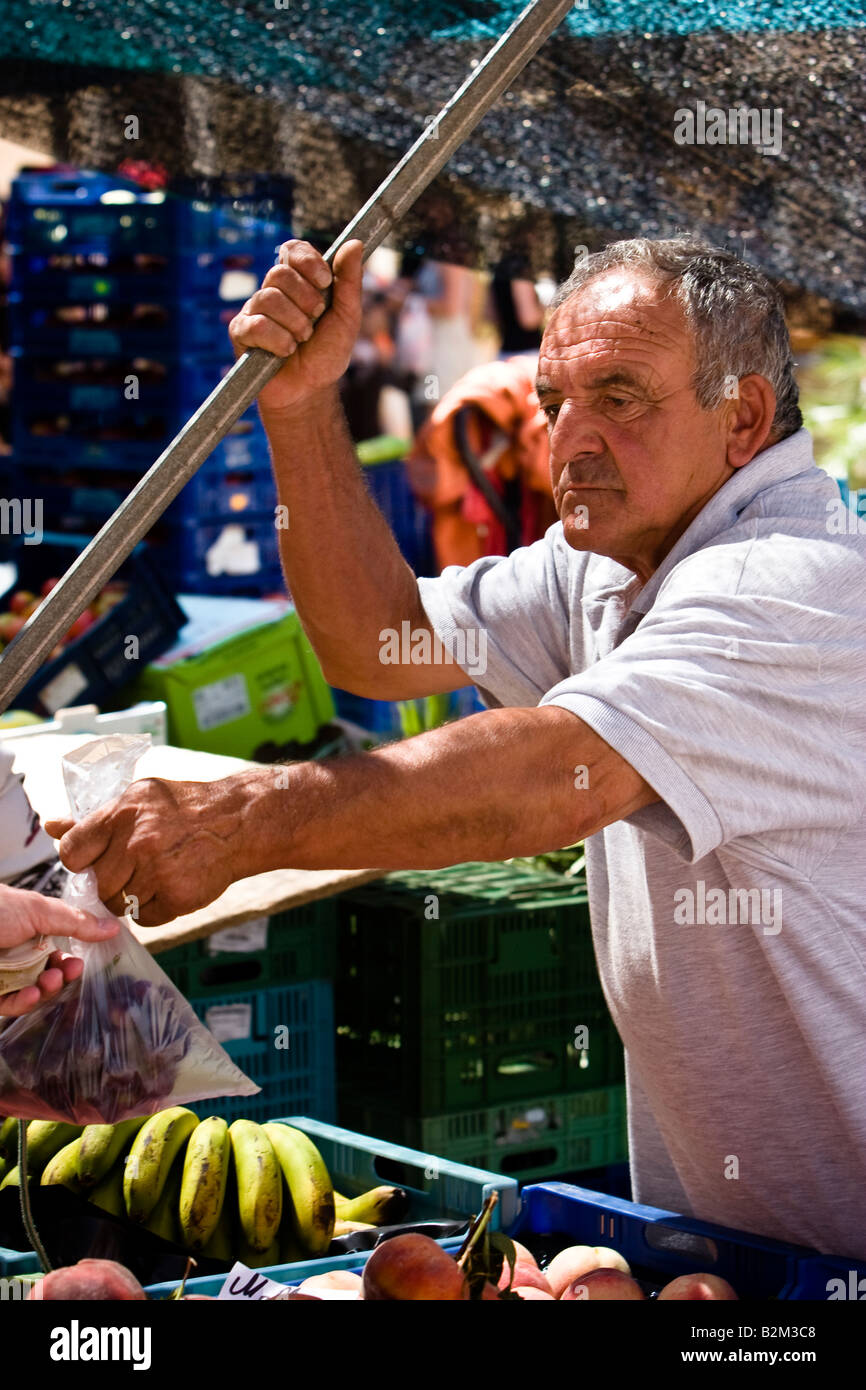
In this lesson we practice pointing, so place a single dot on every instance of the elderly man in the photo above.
(666, 670)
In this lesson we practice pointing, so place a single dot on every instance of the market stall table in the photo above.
(38, 757)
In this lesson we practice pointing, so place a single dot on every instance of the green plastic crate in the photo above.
(300, 945)
(477, 1006)
(542, 1138)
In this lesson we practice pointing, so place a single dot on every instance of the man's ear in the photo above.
(750, 411)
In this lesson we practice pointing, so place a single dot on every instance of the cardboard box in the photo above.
(259, 686)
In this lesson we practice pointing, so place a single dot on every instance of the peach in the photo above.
(601, 1285)
(531, 1293)
(577, 1260)
(412, 1267)
(526, 1275)
(90, 1279)
(695, 1286)
(332, 1279)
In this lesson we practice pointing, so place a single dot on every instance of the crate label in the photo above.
(230, 1022)
(251, 936)
(245, 1285)
(64, 688)
(221, 702)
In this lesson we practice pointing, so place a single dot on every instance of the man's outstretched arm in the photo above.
(507, 782)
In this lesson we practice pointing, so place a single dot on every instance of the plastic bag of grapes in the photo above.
(121, 1040)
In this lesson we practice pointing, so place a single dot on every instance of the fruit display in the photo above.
(260, 1194)
(23, 603)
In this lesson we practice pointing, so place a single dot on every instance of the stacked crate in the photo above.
(471, 1021)
(119, 309)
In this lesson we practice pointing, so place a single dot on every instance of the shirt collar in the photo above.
(781, 461)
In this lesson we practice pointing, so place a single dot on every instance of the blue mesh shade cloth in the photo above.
(580, 152)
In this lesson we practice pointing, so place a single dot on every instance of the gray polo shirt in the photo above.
(729, 919)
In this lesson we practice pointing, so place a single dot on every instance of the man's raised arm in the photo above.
(347, 578)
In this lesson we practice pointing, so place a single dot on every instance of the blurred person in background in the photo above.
(516, 308)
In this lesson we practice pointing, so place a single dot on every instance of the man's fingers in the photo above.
(57, 828)
(293, 286)
(84, 841)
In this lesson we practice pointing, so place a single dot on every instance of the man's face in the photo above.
(633, 456)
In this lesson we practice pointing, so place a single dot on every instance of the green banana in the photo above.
(45, 1138)
(4, 1167)
(12, 1178)
(163, 1220)
(108, 1194)
(205, 1173)
(9, 1139)
(381, 1206)
(259, 1184)
(62, 1169)
(102, 1146)
(258, 1259)
(223, 1241)
(309, 1183)
(154, 1149)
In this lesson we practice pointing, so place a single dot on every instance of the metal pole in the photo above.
(199, 437)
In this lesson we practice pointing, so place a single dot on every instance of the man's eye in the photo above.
(617, 401)
(551, 411)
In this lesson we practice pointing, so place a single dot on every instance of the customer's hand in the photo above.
(280, 317)
(24, 916)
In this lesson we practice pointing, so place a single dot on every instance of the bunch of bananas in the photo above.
(257, 1193)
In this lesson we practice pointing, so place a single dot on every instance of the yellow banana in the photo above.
(381, 1206)
(223, 1241)
(9, 1139)
(312, 1217)
(154, 1149)
(348, 1228)
(205, 1173)
(163, 1220)
(259, 1183)
(62, 1169)
(45, 1138)
(102, 1146)
(108, 1194)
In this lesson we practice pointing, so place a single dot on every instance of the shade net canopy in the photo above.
(583, 150)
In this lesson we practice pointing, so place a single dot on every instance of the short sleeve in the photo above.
(723, 703)
(516, 609)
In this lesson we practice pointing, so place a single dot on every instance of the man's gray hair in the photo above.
(736, 316)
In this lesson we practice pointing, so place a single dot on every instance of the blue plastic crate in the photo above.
(290, 1275)
(94, 667)
(409, 521)
(299, 1077)
(100, 411)
(72, 497)
(660, 1245)
(60, 223)
(83, 325)
(438, 1189)
(196, 556)
(384, 718)
(18, 1262)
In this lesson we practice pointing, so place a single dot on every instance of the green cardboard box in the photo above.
(260, 686)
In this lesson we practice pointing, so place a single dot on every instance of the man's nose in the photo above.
(575, 431)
